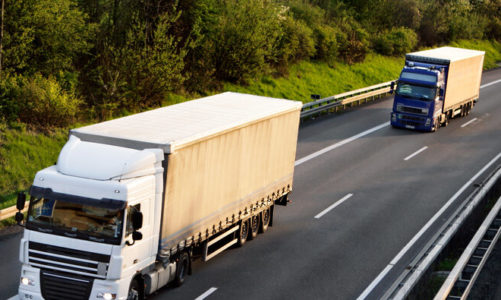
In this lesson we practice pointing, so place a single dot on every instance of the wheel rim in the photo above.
(266, 216)
(133, 293)
(244, 231)
(254, 224)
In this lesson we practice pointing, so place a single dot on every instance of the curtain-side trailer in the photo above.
(132, 201)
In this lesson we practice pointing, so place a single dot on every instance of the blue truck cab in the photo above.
(419, 97)
(435, 86)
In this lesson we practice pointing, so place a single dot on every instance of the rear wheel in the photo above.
(243, 233)
(265, 219)
(254, 226)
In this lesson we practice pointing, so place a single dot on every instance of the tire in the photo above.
(135, 291)
(182, 267)
(446, 120)
(254, 227)
(265, 220)
(243, 233)
(436, 125)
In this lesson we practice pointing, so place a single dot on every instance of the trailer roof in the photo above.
(446, 54)
(172, 126)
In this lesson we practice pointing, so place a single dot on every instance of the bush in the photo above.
(10, 90)
(353, 43)
(326, 44)
(43, 103)
(295, 43)
(397, 41)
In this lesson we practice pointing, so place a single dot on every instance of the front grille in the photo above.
(413, 110)
(410, 123)
(412, 118)
(68, 260)
(58, 285)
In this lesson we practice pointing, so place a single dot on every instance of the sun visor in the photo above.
(105, 162)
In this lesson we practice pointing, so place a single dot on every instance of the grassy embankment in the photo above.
(23, 152)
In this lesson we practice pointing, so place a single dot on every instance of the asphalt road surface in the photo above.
(360, 208)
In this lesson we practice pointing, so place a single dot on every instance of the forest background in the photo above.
(64, 63)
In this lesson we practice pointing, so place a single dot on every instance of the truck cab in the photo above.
(419, 95)
(84, 235)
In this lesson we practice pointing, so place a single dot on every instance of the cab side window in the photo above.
(130, 211)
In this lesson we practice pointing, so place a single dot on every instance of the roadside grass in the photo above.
(309, 77)
(23, 152)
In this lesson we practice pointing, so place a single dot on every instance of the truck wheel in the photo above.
(243, 233)
(254, 227)
(265, 220)
(135, 292)
(182, 267)
(446, 120)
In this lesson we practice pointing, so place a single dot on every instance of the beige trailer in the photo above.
(464, 73)
(228, 159)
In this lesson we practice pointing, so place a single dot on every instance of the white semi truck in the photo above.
(132, 201)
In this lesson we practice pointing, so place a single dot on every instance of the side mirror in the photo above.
(136, 236)
(392, 87)
(137, 220)
(19, 217)
(21, 201)
(441, 92)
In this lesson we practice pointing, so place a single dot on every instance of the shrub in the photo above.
(43, 103)
(326, 44)
(397, 41)
(295, 43)
(10, 90)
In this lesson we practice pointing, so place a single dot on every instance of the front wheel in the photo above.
(135, 292)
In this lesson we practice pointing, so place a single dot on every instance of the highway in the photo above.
(364, 194)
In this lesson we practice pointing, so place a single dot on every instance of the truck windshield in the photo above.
(75, 220)
(416, 91)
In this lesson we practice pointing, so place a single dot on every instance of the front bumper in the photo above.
(408, 121)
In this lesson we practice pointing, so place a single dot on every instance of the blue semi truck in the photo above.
(435, 86)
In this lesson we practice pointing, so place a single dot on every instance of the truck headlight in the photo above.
(106, 296)
(393, 117)
(428, 121)
(27, 281)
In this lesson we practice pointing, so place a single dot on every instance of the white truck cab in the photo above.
(78, 241)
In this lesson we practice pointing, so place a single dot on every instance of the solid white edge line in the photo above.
(469, 122)
(323, 212)
(411, 243)
(490, 83)
(339, 144)
(416, 153)
(206, 294)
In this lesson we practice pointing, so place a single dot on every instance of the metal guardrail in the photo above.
(424, 259)
(341, 100)
(464, 274)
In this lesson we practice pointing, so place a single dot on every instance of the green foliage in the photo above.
(295, 43)
(492, 50)
(326, 44)
(143, 71)
(43, 103)
(10, 90)
(397, 41)
(44, 36)
(244, 39)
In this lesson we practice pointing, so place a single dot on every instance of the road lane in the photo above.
(341, 255)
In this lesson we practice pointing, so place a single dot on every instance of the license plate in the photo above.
(409, 126)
